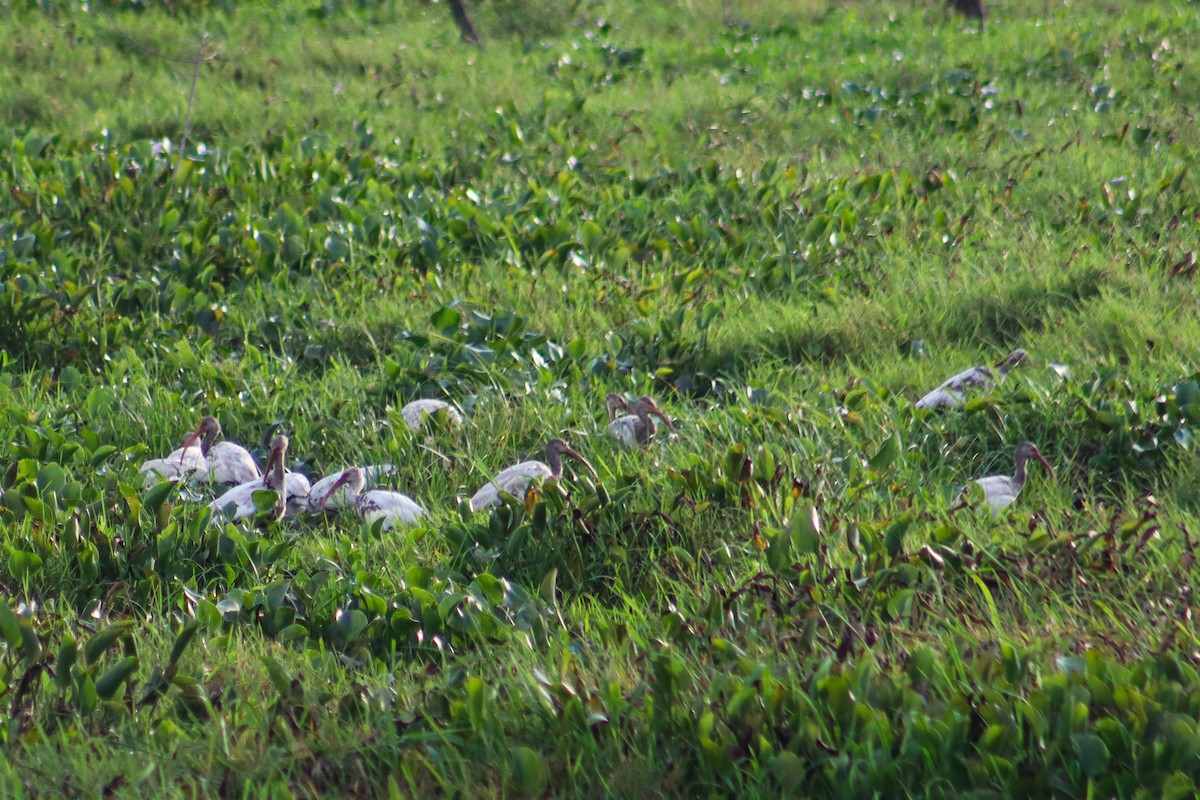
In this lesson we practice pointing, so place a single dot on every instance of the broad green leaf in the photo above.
(529, 773)
(185, 637)
(23, 565)
(1091, 752)
(806, 530)
(102, 640)
(115, 677)
(888, 453)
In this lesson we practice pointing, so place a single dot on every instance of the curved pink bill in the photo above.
(1045, 463)
(338, 484)
(569, 452)
(188, 442)
(658, 412)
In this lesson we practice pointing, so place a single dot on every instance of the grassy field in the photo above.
(785, 221)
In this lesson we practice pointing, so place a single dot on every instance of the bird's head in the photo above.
(614, 403)
(1028, 450)
(352, 478)
(650, 407)
(559, 447)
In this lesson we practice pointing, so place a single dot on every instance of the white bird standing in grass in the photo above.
(952, 393)
(345, 490)
(414, 413)
(516, 479)
(184, 463)
(228, 463)
(1000, 491)
(241, 498)
(638, 428)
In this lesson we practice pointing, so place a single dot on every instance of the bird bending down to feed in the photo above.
(184, 463)
(241, 498)
(638, 427)
(613, 404)
(952, 393)
(228, 463)
(345, 490)
(414, 413)
(1000, 491)
(516, 479)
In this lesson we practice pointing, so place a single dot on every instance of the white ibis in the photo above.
(241, 498)
(1000, 491)
(414, 413)
(638, 428)
(228, 463)
(516, 479)
(346, 490)
(951, 394)
(184, 463)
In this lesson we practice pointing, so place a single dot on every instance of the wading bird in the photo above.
(414, 413)
(346, 491)
(184, 463)
(516, 479)
(241, 498)
(1000, 491)
(638, 427)
(228, 463)
(952, 393)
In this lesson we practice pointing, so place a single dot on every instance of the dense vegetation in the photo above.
(784, 221)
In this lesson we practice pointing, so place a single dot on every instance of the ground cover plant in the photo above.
(784, 222)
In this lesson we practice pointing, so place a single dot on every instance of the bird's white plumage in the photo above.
(185, 463)
(414, 413)
(295, 493)
(998, 491)
(230, 463)
(952, 393)
(241, 498)
(393, 508)
(624, 430)
(327, 494)
(345, 490)
(515, 481)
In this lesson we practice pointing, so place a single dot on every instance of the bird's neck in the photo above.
(1019, 474)
(554, 462)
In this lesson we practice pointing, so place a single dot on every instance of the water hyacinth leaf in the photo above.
(893, 539)
(102, 640)
(115, 677)
(23, 565)
(264, 501)
(779, 551)
(789, 770)
(1092, 753)
(528, 771)
(86, 694)
(446, 320)
(51, 478)
(806, 530)
(157, 494)
(887, 454)
(185, 637)
(31, 643)
(68, 652)
(280, 679)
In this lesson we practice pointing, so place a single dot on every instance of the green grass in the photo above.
(787, 222)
